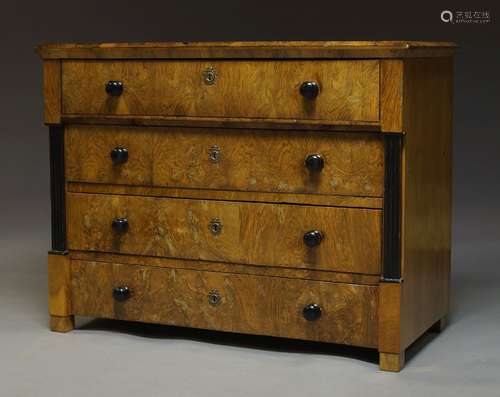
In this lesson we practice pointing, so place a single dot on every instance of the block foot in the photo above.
(393, 362)
(62, 323)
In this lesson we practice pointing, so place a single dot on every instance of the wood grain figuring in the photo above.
(226, 122)
(250, 49)
(225, 195)
(389, 318)
(52, 91)
(261, 161)
(392, 362)
(427, 193)
(252, 233)
(252, 89)
(269, 161)
(304, 274)
(249, 304)
(381, 273)
(88, 155)
(391, 95)
(59, 279)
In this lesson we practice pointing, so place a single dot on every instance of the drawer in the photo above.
(342, 313)
(348, 90)
(227, 231)
(228, 159)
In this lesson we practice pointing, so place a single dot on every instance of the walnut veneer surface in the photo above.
(292, 189)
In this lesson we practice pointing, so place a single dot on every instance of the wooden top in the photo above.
(249, 49)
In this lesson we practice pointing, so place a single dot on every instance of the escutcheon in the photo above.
(214, 154)
(214, 297)
(209, 76)
(215, 226)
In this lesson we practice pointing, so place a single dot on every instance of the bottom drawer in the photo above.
(228, 302)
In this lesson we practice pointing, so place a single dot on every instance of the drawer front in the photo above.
(239, 232)
(348, 90)
(245, 160)
(228, 302)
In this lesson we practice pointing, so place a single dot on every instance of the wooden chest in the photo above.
(292, 189)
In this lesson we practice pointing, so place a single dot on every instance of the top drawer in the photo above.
(348, 90)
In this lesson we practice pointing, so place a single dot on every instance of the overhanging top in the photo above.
(249, 49)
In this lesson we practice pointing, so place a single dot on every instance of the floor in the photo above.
(109, 358)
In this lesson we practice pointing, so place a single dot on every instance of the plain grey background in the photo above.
(105, 358)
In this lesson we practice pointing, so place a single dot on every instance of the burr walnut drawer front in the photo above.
(312, 237)
(313, 310)
(323, 90)
(228, 159)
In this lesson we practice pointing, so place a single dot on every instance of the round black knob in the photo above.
(309, 89)
(312, 312)
(114, 87)
(121, 293)
(315, 162)
(313, 238)
(119, 155)
(120, 225)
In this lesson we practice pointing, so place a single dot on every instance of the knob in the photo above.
(119, 155)
(121, 293)
(312, 312)
(120, 225)
(114, 87)
(315, 162)
(309, 89)
(313, 238)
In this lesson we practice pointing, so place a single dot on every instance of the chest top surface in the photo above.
(249, 49)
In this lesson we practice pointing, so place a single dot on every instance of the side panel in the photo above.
(427, 192)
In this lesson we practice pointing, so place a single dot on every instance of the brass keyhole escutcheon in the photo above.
(215, 226)
(209, 76)
(214, 297)
(214, 154)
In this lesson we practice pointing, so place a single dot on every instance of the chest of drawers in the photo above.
(291, 189)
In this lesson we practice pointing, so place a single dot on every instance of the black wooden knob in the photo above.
(315, 162)
(309, 89)
(120, 225)
(313, 238)
(114, 87)
(312, 312)
(119, 155)
(121, 293)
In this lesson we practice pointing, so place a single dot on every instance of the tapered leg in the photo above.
(393, 362)
(62, 323)
(439, 325)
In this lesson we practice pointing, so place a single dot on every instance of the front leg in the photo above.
(393, 362)
(60, 310)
